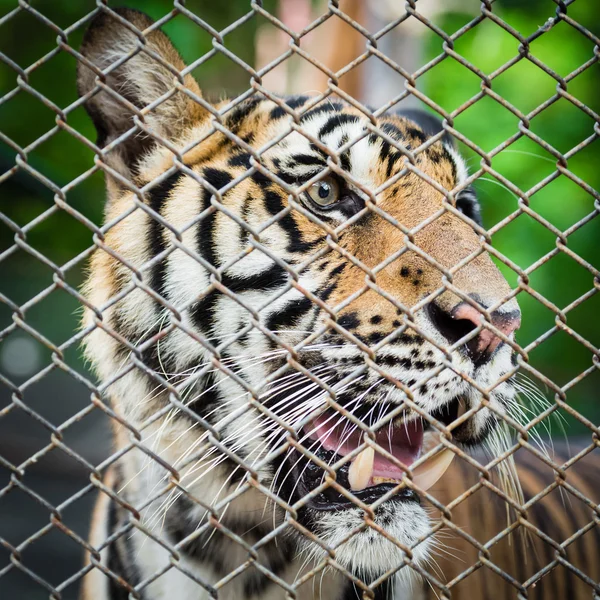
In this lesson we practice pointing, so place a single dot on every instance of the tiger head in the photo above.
(290, 299)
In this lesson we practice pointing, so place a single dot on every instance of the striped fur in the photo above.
(527, 554)
(218, 293)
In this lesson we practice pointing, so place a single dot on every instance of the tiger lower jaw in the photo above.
(368, 552)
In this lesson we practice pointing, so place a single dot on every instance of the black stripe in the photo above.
(385, 150)
(156, 200)
(557, 520)
(318, 151)
(307, 159)
(289, 178)
(236, 117)
(114, 560)
(336, 121)
(246, 213)
(392, 131)
(214, 548)
(416, 133)
(248, 138)
(293, 102)
(381, 592)
(208, 397)
(217, 178)
(261, 180)
(385, 154)
(345, 161)
(393, 158)
(272, 278)
(203, 311)
(325, 107)
(291, 314)
(274, 204)
(326, 292)
(150, 355)
(384, 591)
(351, 592)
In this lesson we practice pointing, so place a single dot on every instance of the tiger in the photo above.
(548, 549)
(294, 314)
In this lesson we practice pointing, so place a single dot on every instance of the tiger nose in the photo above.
(465, 318)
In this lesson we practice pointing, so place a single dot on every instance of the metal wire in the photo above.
(61, 274)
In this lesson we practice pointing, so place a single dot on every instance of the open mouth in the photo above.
(370, 473)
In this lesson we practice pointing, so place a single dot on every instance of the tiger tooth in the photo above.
(361, 469)
(428, 473)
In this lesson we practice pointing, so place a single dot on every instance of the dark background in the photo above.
(61, 400)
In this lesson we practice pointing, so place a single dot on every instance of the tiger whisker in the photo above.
(199, 441)
(272, 391)
(306, 436)
(341, 418)
(217, 460)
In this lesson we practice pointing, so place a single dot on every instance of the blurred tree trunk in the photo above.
(335, 44)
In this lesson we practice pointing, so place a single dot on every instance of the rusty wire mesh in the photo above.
(16, 550)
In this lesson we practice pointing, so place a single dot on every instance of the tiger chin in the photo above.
(287, 299)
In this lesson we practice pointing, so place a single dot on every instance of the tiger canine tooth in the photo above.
(428, 473)
(361, 469)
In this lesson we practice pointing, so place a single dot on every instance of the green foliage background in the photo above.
(62, 159)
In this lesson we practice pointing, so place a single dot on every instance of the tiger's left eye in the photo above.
(324, 192)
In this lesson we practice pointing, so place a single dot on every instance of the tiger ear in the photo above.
(429, 123)
(138, 70)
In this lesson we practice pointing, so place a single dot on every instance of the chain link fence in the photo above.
(470, 509)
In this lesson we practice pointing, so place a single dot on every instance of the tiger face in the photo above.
(291, 305)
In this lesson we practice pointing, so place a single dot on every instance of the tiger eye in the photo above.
(324, 192)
